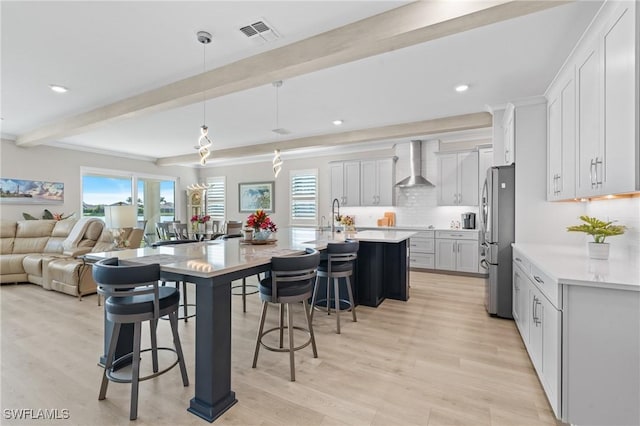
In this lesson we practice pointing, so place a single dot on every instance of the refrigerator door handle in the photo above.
(484, 264)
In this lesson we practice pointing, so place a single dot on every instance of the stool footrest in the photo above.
(274, 349)
(115, 379)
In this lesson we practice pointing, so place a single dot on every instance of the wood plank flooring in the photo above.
(437, 359)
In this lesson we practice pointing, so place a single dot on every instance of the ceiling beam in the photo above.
(404, 26)
(417, 128)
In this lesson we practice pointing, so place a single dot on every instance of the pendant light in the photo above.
(204, 143)
(277, 161)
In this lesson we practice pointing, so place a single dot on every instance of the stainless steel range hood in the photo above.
(415, 158)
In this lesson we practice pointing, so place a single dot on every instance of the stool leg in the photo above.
(290, 334)
(313, 298)
(336, 296)
(135, 371)
(109, 362)
(353, 305)
(281, 325)
(263, 316)
(244, 295)
(153, 326)
(173, 319)
(184, 299)
(328, 295)
(311, 335)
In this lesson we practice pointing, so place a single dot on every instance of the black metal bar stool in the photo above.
(339, 264)
(291, 281)
(132, 295)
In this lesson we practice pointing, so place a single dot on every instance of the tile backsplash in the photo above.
(415, 206)
(625, 211)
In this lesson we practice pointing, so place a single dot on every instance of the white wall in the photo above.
(63, 165)
(625, 211)
(538, 221)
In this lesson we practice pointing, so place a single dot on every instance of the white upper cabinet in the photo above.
(509, 133)
(376, 182)
(345, 182)
(594, 103)
(561, 141)
(458, 179)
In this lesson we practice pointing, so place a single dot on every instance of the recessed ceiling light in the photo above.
(58, 89)
(337, 122)
(462, 88)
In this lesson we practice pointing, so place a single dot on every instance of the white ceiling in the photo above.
(107, 51)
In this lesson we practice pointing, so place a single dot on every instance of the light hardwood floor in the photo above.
(437, 359)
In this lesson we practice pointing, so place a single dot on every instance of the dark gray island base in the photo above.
(382, 272)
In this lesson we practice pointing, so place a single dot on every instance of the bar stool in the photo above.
(133, 296)
(291, 281)
(339, 264)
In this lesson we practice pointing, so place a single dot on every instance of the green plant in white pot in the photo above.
(599, 230)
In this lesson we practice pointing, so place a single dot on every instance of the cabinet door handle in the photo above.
(506, 155)
(455, 198)
(538, 279)
(459, 198)
(518, 259)
(591, 177)
(598, 180)
(559, 183)
(533, 309)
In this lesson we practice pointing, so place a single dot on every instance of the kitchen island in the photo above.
(382, 268)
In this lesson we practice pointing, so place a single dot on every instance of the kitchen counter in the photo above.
(571, 265)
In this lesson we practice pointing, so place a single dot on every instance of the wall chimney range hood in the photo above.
(415, 158)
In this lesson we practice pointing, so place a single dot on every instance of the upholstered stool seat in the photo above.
(132, 296)
(290, 282)
(338, 264)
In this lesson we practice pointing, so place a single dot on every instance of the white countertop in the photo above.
(414, 228)
(210, 258)
(571, 265)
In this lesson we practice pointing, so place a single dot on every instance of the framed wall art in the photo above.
(21, 191)
(256, 195)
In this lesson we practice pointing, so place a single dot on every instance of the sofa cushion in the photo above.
(7, 236)
(59, 233)
(12, 263)
(32, 236)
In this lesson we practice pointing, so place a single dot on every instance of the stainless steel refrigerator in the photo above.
(497, 225)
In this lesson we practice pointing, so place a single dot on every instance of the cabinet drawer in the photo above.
(520, 260)
(547, 286)
(422, 260)
(423, 245)
(457, 235)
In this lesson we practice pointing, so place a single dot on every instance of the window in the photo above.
(304, 193)
(154, 195)
(216, 197)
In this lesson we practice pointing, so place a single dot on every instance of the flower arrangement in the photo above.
(260, 221)
(200, 218)
(347, 220)
(597, 228)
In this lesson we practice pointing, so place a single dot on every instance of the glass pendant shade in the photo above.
(277, 163)
(204, 144)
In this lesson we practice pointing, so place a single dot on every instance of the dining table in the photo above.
(212, 265)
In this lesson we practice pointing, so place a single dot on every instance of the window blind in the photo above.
(304, 190)
(216, 197)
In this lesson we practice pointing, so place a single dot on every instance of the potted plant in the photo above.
(599, 230)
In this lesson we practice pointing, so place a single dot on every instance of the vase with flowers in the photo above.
(199, 222)
(262, 225)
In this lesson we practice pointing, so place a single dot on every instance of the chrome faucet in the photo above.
(333, 214)
(322, 219)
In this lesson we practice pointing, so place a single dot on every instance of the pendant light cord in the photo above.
(204, 92)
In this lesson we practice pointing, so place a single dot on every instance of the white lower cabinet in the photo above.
(539, 324)
(422, 250)
(457, 251)
(583, 341)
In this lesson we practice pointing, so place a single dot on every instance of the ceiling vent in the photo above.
(260, 32)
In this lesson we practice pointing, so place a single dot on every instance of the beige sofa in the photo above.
(28, 247)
